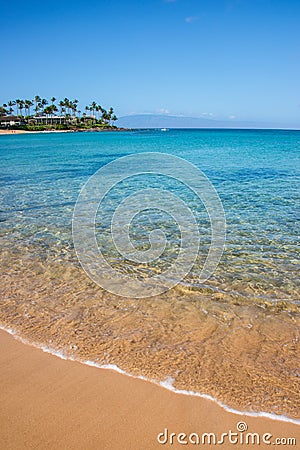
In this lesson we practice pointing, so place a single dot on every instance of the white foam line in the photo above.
(167, 384)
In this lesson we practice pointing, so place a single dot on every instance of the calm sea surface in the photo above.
(236, 337)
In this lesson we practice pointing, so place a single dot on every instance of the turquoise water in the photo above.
(256, 174)
(235, 337)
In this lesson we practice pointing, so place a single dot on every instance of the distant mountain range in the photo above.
(168, 121)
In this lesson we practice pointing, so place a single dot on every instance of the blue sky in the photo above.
(235, 59)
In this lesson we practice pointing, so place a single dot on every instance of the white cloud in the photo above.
(231, 117)
(191, 19)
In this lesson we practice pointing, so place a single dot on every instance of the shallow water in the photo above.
(235, 338)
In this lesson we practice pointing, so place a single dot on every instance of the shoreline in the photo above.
(5, 132)
(13, 132)
(162, 384)
(142, 338)
(49, 402)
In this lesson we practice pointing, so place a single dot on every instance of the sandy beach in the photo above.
(6, 132)
(13, 132)
(47, 403)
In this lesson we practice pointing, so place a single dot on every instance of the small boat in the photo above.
(164, 129)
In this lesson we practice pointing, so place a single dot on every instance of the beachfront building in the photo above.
(51, 120)
(11, 121)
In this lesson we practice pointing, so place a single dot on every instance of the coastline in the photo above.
(97, 130)
(48, 402)
(5, 132)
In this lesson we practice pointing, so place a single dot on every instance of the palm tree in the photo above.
(30, 104)
(21, 106)
(11, 105)
(53, 109)
(43, 103)
(27, 105)
(67, 104)
(50, 110)
(105, 116)
(3, 110)
(110, 113)
(62, 109)
(94, 113)
(18, 105)
(93, 106)
(37, 100)
(74, 106)
(47, 111)
(98, 110)
(114, 118)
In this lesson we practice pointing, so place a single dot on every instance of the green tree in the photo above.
(105, 116)
(37, 100)
(54, 109)
(3, 111)
(47, 111)
(18, 105)
(74, 104)
(27, 105)
(11, 105)
(61, 109)
(93, 108)
(21, 107)
(98, 111)
(43, 103)
(110, 113)
(114, 118)
(67, 105)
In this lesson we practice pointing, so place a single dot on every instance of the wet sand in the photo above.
(244, 355)
(47, 403)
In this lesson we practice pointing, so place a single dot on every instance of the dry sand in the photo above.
(4, 132)
(13, 131)
(50, 403)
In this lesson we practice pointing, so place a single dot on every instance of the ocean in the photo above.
(234, 336)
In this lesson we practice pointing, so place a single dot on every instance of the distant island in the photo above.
(40, 114)
(172, 121)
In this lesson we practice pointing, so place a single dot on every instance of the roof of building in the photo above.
(9, 118)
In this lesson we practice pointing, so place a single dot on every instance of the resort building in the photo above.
(50, 120)
(10, 121)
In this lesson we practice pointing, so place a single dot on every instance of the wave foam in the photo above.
(167, 384)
